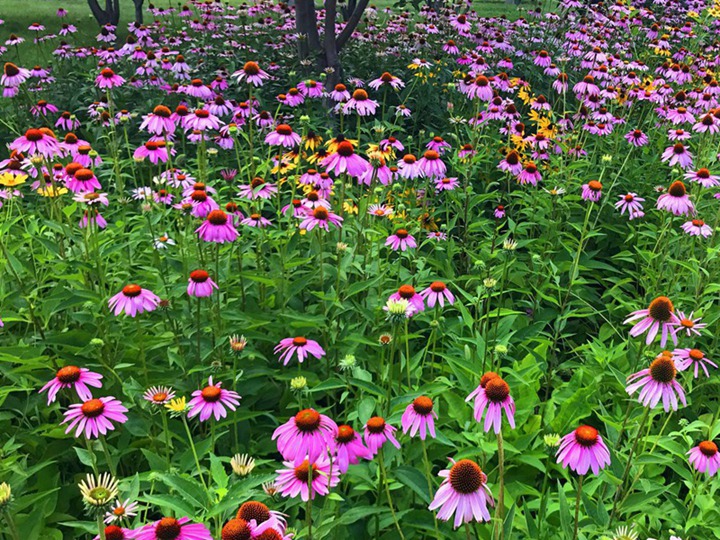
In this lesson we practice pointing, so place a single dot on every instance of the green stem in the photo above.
(192, 447)
(108, 457)
(11, 526)
(577, 505)
(428, 474)
(383, 480)
(101, 527)
(499, 510)
(167, 438)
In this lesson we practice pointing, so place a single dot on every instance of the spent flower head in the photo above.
(242, 464)
(98, 492)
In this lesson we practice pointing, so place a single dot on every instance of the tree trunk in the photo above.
(306, 26)
(138, 11)
(348, 10)
(109, 15)
(332, 59)
(352, 23)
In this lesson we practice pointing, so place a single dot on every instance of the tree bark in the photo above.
(109, 15)
(306, 26)
(332, 59)
(138, 11)
(352, 23)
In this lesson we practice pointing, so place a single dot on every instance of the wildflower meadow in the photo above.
(336, 270)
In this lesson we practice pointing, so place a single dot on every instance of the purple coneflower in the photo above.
(431, 165)
(401, 240)
(73, 377)
(630, 202)
(686, 358)
(320, 217)
(159, 122)
(349, 448)
(308, 434)
(407, 292)
(283, 136)
(690, 325)
(200, 285)
(703, 177)
(294, 479)
(705, 458)
(446, 184)
(419, 416)
(660, 314)
(583, 450)
(108, 79)
(169, 528)
(592, 191)
(464, 493)
(437, 292)
(159, 395)
(679, 155)
(37, 141)
(94, 416)
(493, 395)
(217, 228)
(252, 74)
(133, 300)
(697, 227)
(299, 345)
(377, 431)
(344, 159)
(676, 200)
(257, 189)
(155, 151)
(212, 400)
(658, 382)
(361, 103)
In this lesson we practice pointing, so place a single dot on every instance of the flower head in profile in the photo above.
(401, 240)
(121, 510)
(377, 432)
(658, 317)
(692, 358)
(218, 228)
(705, 458)
(308, 434)
(349, 448)
(212, 400)
(293, 480)
(463, 493)
(583, 450)
(159, 395)
(133, 300)
(200, 284)
(420, 417)
(676, 200)
(73, 377)
(300, 346)
(492, 396)
(437, 293)
(592, 191)
(658, 382)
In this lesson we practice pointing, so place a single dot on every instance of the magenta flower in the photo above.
(582, 450)
(705, 458)
(437, 292)
(320, 217)
(212, 400)
(377, 431)
(13, 76)
(217, 228)
(676, 200)
(630, 203)
(293, 480)
(660, 314)
(690, 325)
(155, 151)
(349, 448)
(307, 435)
(283, 136)
(159, 395)
(300, 345)
(133, 300)
(169, 528)
(73, 377)
(360, 103)
(407, 292)
(37, 141)
(345, 160)
(251, 73)
(703, 177)
(419, 416)
(686, 358)
(108, 79)
(401, 240)
(463, 493)
(82, 181)
(493, 395)
(94, 416)
(257, 189)
(446, 184)
(658, 382)
(679, 155)
(431, 165)
(200, 285)
(592, 191)
(636, 138)
(202, 120)
(159, 122)
(697, 227)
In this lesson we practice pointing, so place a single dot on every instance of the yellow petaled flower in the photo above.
(524, 94)
(242, 464)
(5, 495)
(98, 491)
(52, 191)
(177, 405)
(11, 180)
(312, 141)
(282, 167)
(350, 207)
(291, 156)
(518, 141)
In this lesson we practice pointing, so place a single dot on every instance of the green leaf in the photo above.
(415, 480)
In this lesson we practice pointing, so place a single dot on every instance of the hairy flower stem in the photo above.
(577, 505)
(428, 475)
(384, 482)
(167, 438)
(101, 527)
(499, 509)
